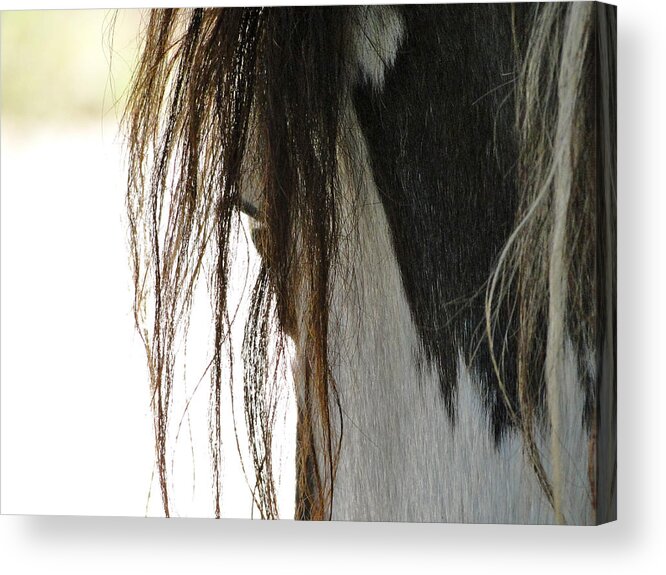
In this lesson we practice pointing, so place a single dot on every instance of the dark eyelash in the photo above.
(249, 209)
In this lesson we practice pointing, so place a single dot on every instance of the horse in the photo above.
(432, 193)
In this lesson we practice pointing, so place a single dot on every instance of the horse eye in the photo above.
(258, 234)
(257, 228)
(249, 209)
(282, 289)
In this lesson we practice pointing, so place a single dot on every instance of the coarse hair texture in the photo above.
(225, 98)
(551, 262)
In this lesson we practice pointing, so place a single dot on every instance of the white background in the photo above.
(633, 544)
(75, 422)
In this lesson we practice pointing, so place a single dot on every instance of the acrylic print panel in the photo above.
(348, 263)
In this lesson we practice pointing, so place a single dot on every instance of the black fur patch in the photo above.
(443, 152)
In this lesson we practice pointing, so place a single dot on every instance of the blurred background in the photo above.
(76, 428)
(67, 66)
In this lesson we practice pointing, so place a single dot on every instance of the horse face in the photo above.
(434, 238)
(426, 197)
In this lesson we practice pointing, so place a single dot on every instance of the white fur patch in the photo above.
(376, 37)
